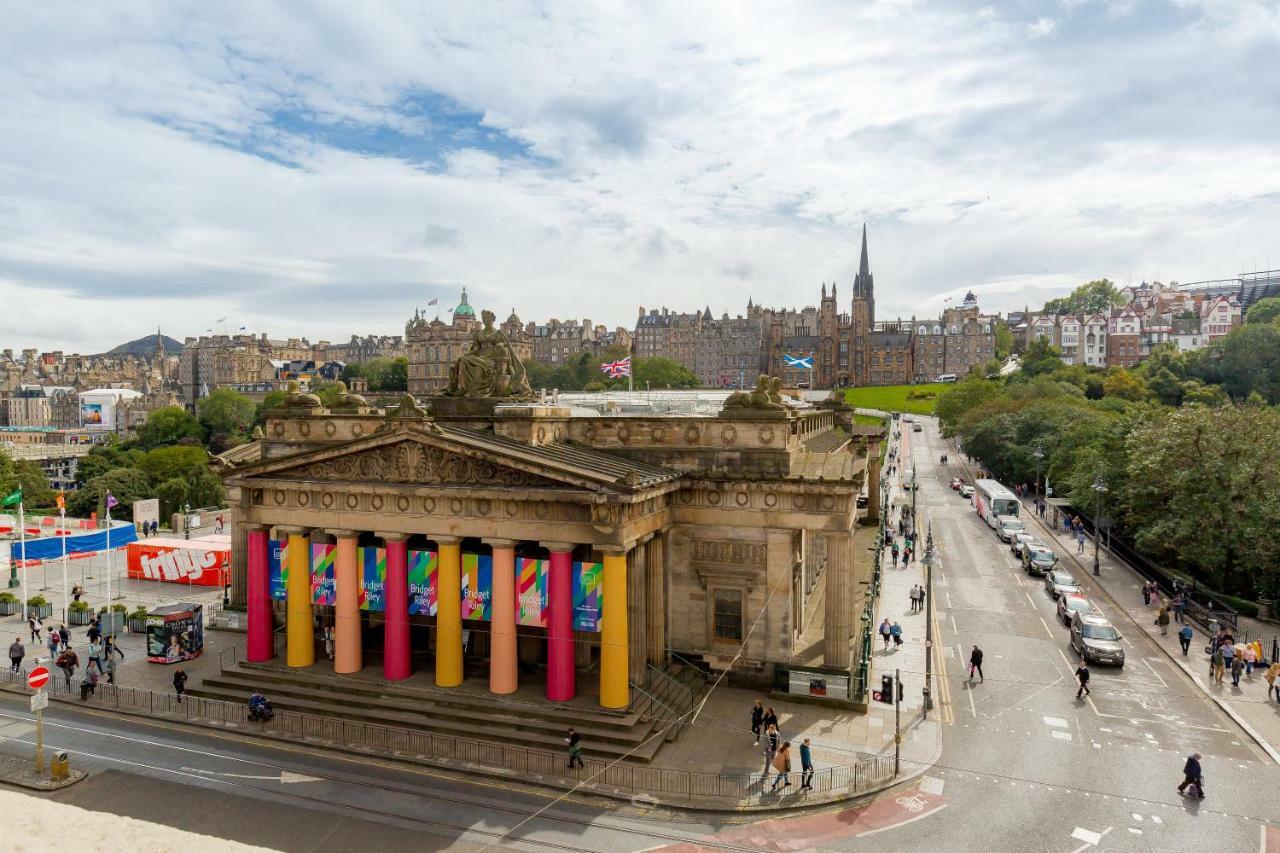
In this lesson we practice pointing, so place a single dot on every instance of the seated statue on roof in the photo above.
(489, 368)
(765, 397)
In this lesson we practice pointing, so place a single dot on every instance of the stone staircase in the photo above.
(464, 714)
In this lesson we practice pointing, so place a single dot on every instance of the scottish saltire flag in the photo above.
(617, 369)
(804, 362)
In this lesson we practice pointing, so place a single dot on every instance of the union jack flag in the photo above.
(617, 369)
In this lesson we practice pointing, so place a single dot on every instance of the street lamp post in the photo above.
(915, 487)
(1039, 455)
(1099, 489)
(186, 521)
(928, 623)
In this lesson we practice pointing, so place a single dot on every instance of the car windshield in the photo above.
(1099, 632)
(1042, 556)
(1013, 525)
(1063, 579)
(1078, 604)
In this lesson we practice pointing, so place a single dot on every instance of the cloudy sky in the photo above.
(322, 168)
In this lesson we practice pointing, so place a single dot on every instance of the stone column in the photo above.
(873, 479)
(503, 668)
(239, 591)
(300, 628)
(258, 599)
(561, 678)
(348, 653)
(615, 690)
(839, 601)
(655, 608)
(449, 612)
(637, 627)
(397, 657)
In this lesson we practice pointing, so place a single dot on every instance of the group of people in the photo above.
(777, 750)
(149, 528)
(1226, 655)
(917, 598)
(891, 633)
(101, 653)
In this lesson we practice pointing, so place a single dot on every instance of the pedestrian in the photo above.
(1228, 651)
(95, 630)
(806, 766)
(1079, 541)
(1193, 776)
(76, 592)
(915, 598)
(180, 683)
(155, 527)
(1250, 658)
(67, 662)
(770, 719)
(1179, 601)
(921, 596)
(1162, 619)
(782, 763)
(772, 740)
(1237, 669)
(1217, 665)
(906, 556)
(575, 749)
(34, 625)
(53, 645)
(886, 633)
(757, 720)
(64, 636)
(110, 669)
(328, 641)
(893, 549)
(1146, 594)
(16, 654)
(89, 684)
(1082, 678)
(895, 630)
(95, 654)
(1272, 675)
(1184, 638)
(975, 664)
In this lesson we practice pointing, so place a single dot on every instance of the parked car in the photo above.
(1071, 604)
(1007, 526)
(1058, 582)
(917, 428)
(1020, 540)
(1096, 640)
(956, 483)
(1038, 559)
(966, 490)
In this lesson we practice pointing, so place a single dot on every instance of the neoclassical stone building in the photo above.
(495, 539)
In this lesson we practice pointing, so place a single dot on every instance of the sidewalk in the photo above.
(1247, 704)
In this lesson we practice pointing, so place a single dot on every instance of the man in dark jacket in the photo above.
(1082, 678)
(16, 653)
(1193, 776)
(975, 664)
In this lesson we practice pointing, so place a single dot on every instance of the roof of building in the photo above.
(827, 441)
(464, 308)
(825, 466)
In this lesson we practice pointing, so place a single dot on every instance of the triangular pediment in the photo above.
(422, 456)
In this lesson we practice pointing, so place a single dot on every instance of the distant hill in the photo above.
(146, 346)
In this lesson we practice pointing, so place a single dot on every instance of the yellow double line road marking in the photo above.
(940, 667)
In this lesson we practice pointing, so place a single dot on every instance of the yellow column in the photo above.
(348, 655)
(449, 612)
(614, 689)
(300, 628)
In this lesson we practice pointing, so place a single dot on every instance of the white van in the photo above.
(946, 377)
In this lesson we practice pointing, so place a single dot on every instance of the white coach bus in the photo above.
(991, 500)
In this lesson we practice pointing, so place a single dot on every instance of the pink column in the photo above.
(560, 673)
(503, 675)
(396, 658)
(258, 603)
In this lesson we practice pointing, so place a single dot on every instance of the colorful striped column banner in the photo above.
(423, 566)
(531, 592)
(323, 590)
(373, 578)
(278, 562)
(477, 586)
(588, 579)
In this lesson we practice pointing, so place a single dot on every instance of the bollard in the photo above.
(61, 767)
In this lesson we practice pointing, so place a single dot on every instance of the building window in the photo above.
(728, 615)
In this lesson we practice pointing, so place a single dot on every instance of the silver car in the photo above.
(1021, 540)
(1058, 582)
(1096, 640)
(1007, 526)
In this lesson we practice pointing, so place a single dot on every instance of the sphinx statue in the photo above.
(765, 397)
(489, 367)
(296, 398)
(344, 400)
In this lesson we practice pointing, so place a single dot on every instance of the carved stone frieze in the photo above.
(412, 462)
(727, 552)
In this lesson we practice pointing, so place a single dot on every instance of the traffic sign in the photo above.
(38, 677)
(39, 701)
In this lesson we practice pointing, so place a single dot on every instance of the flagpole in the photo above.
(22, 529)
(66, 590)
(110, 613)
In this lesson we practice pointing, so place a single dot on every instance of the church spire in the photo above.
(864, 266)
(862, 282)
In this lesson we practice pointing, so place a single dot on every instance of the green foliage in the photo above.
(1244, 362)
(78, 606)
(967, 394)
(1264, 310)
(28, 475)
(173, 493)
(126, 484)
(1004, 340)
(662, 373)
(1089, 298)
(37, 601)
(383, 374)
(1125, 385)
(167, 426)
(1039, 357)
(269, 402)
(582, 372)
(896, 398)
(226, 412)
(104, 458)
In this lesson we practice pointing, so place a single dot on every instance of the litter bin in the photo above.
(61, 767)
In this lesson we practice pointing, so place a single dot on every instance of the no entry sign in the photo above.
(38, 677)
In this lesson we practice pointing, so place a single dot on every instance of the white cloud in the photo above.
(300, 168)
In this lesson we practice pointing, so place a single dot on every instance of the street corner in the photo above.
(890, 810)
(22, 773)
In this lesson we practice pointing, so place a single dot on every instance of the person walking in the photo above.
(757, 720)
(16, 654)
(1228, 647)
(906, 556)
(34, 625)
(76, 592)
(1179, 602)
(772, 740)
(1192, 776)
(806, 766)
(68, 661)
(1146, 593)
(109, 669)
(1272, 675)
(54, 647)
(1250, 658)
(1217, 665)
(1080, 541)
(893, 550)
(95, 654)
(770, 719)
(886, 633)
(782, 764)
(64, 636)
(1237, 669)
(180, 683)
(1082, 678)
(895, 630)
(1162, 619)
(975, 664)
(575, 749)
(1185, 634)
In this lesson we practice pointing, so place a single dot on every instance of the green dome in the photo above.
(464, 309)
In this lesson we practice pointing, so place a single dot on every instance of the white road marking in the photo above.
(285, 777)
(1056, 722)
(1062, 735)
(1046, 629)
(1155, 818)
(1030, 600)
(1134, 830)
(1089, 837)
(949, 604)
(932, 785)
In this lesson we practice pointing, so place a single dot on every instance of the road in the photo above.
(1025, 767)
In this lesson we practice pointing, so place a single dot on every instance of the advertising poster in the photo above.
(278, 562)
(373, 562)
(422, 583)
(178, 561)
(531, 592)
(175, 633)
(477, 586)
(587, 580)
(322, 586)
(92, 414)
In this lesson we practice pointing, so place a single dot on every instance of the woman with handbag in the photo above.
(782, 764)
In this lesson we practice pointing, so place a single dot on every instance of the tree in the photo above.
(1125, 385)
(269, 402)
(166, 463)
(173, 493)
(1040, 357)
(226, 411)
(103, 458)
(168, 426)
(960, 398)
(663, 373)
(126, 486)
(24, 473)
(1264, 310)
(1089, 298)
(1004, 340)
(1245, 361)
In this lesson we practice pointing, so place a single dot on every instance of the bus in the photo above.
(991, 499)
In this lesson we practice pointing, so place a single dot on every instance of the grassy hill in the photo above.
(893, 398)
(146, 346)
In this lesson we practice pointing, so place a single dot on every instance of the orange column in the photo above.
(348, 656)
(502, 648)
